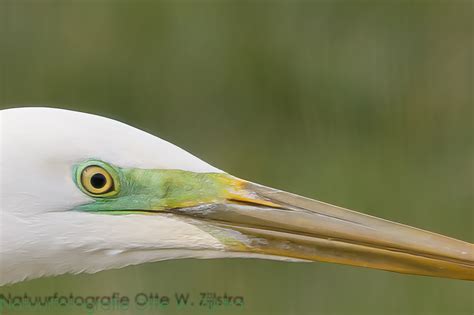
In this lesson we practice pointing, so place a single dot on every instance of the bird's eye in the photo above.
(96, 180)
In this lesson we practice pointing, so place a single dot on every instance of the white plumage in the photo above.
(41, 236)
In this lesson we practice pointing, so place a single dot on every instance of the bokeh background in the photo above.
(364, 104)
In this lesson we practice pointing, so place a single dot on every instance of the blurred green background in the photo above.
(364, 104)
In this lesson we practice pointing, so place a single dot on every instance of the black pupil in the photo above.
(98, 180)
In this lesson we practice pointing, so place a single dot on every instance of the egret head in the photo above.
(83, 193)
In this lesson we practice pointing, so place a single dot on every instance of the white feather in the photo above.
(39, 235)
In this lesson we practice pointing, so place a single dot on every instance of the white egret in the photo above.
(83, 193)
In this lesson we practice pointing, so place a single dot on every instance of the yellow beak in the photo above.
(277, 223)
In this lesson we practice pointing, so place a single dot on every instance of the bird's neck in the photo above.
(55, 243)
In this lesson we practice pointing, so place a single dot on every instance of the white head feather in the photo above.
(40, 236)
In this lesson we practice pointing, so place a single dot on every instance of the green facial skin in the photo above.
(155, 189)
(148, 191)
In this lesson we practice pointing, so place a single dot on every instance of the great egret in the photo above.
(83, 193)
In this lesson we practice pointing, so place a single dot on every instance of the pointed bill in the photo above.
(278, 223)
